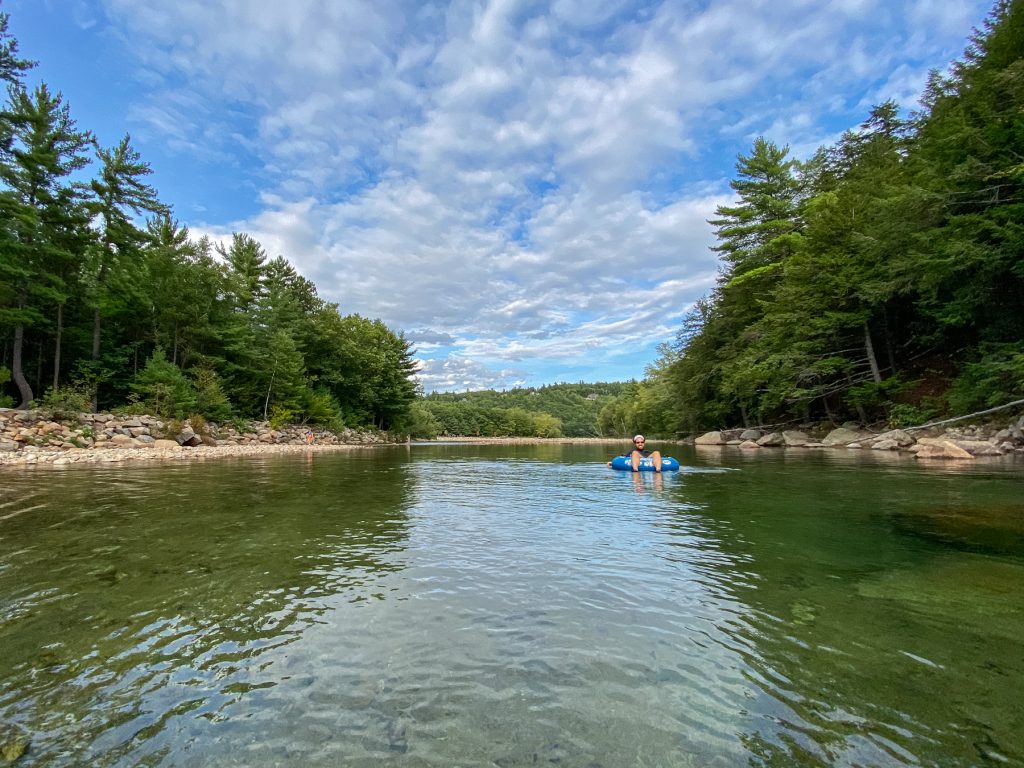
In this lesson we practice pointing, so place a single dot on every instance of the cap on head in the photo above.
(639, 437)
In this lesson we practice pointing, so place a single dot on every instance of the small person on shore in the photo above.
(639, 452)
(309, 437)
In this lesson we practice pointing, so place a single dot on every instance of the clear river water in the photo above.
(468, 605)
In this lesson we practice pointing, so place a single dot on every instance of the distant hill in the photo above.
(489, 412)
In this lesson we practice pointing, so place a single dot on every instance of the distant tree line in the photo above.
(557, 410)
(98, 310)
(881, 280)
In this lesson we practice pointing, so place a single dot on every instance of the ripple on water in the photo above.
(465, 609)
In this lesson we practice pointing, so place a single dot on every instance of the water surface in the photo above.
(454, 605)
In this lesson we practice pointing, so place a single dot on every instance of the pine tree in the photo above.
(37, 207)
(120, 193)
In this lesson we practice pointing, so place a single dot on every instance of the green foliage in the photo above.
(574, 406)
(321, 407)
(847, 275)
(6, 401)
(241, 426)
(211, 401)
(903, 415)
(163, 389)
(997, 377)
(281, 417)
(88, 294)
(65, 403)
(420, 423)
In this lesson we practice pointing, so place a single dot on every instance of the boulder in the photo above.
(748, 445)
(843, 436)
(903, 439)
(185, 437)
(793, 438)
(709, 438)
(167, 445)
(121, 441)
(7, 446)
(947, 450)
(771, 441)
(888, 444)
(751, 434)
(978, 447)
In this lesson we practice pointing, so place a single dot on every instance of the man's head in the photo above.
(638, 441)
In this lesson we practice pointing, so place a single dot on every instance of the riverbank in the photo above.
(29, 438)
(961, 443)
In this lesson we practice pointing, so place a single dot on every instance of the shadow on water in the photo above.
(131, 596)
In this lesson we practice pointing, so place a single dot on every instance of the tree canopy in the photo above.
(881, 280)
(103, 292)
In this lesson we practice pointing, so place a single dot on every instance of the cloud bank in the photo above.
(521, 187)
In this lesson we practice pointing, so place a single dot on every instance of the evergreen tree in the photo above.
(38, 205)
(11, 67)
(120, 194)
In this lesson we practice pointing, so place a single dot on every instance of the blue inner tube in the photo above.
(668, 464)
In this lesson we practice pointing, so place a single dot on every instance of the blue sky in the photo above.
(520, 187)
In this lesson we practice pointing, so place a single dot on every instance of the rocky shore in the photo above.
(31, 438)
(960, 443)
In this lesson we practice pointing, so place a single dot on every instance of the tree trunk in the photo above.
(828, 412)
(56, 347)
(96, 357)
(266, 403)
(861, 413)
(888, 343)
(16, 373)
(96, 335)
(870, 349)
(174, 354)
(743, 415)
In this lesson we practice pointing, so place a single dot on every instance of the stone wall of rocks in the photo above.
(29, 432)
(954, 443)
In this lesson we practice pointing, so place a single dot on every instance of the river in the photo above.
(464, 605)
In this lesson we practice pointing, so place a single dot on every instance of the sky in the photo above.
(521, 188)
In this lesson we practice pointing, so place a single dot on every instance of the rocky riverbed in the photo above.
(957, 443)
(30, 437)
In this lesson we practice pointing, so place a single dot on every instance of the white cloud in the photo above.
(459, 374)
(528, 182)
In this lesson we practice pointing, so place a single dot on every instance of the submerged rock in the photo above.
(14, 743)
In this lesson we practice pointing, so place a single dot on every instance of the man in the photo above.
(639, 452)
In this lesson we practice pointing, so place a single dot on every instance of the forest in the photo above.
(882, 280)
(557, 410)
(99, 310)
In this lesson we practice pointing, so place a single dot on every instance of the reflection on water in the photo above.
(514, 605)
